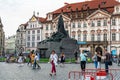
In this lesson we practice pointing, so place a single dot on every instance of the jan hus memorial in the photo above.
(59, 41)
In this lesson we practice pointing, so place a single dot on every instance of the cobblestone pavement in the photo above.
(12, 71)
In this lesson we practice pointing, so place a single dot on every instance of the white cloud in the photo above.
(16, 12)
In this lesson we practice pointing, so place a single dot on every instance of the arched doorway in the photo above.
(98, 49)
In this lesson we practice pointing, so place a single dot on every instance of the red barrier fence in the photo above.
(95, 74)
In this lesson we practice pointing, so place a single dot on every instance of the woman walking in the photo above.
(53, 60)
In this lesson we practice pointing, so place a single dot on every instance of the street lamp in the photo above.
(110, 32)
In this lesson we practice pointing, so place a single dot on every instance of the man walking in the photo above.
(83, 60)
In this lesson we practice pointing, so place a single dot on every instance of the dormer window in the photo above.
(117, 9)
(103, 3)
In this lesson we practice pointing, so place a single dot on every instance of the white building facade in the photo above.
(33, 32)
(21, 38)
(95, 27)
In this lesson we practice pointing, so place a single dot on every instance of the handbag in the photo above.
(110, 63)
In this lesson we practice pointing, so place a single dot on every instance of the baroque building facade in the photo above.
(2, 39)
(29, 34)
(94, 24)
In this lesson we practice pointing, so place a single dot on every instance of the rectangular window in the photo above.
(92, 24)
(73, 25)
(51, 28)
(33, 32)
(33, 44)
(105, 23)
(79, 25)
(79, 39)
(28, 32)
(105, 37)
(98, 23)
(28, 38)
(33, 38)
(84, 37)
(46, 27)
(28, 44)
(38, 37)
(98, 37)
(113, 37)
(84, 24)
(38, 31)
(21, 42)
(113, 22)
(92, 37)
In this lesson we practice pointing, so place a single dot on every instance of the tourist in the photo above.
(53, 60)
(20, 59)
(62, 59)
(32, 57)
(107, 59)
(36, 62)
(29, 58)
(94, 58)
(83, 60)
(76, 55)
(99, 55)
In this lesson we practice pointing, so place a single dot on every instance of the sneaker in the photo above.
(50, 74)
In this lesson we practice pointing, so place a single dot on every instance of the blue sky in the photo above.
(16, 12)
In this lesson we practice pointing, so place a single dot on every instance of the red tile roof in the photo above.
(25, 24)
(94, 4)
(42, 19)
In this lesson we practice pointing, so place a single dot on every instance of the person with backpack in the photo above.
(94, 58)
(107, 59)
(83, 58)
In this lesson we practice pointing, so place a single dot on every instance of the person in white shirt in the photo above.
(53, 60)
(20, 59)
(36, 62)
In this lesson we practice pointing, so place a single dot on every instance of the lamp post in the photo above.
(110, 32)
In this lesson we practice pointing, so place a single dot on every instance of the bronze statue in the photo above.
(61, 32)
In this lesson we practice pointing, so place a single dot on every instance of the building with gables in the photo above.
(29, 34)
(93, 23)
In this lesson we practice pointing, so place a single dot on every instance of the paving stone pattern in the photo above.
(12, 71)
